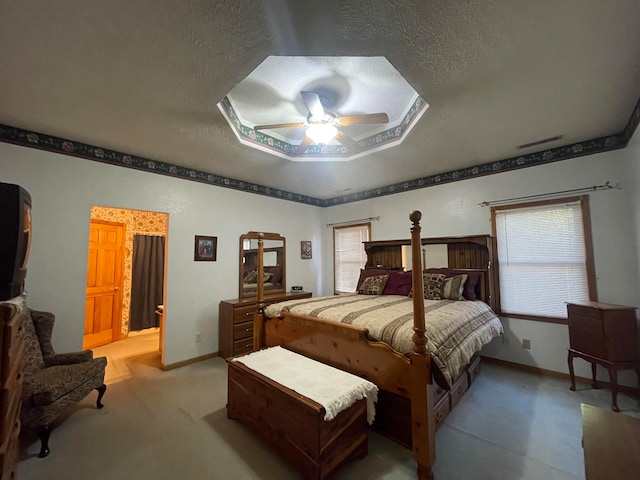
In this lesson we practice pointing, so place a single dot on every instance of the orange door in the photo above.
(104, 282)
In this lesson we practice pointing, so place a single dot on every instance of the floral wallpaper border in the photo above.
(368, 143)
(50, 143)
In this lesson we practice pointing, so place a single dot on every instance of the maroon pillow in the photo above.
(473, 278)
(276, 274)
(399, 283)
(370, 272)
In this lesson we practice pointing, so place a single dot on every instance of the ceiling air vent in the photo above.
(539, 142)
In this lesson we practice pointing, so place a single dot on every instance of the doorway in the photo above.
(142, 224)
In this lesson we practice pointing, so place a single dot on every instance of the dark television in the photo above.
(15, 239)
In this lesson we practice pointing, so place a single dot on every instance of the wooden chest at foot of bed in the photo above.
(294, 425)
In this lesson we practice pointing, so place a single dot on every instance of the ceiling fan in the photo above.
(323, 125)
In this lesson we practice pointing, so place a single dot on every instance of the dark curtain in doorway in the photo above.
(147, 280)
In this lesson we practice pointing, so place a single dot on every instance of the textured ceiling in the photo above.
(144, 77)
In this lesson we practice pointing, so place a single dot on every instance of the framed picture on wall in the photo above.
(205, 249)
(305, 249)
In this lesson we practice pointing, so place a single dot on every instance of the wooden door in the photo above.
(104, 283)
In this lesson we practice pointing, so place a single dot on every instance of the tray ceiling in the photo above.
(144, 78)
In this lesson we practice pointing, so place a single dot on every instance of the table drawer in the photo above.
(243, 330)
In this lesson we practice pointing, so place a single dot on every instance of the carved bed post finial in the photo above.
(419, 338)
(258, 317)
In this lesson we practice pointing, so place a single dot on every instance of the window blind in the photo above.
(349, 255)
(542, 258)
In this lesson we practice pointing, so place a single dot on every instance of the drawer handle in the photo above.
(460, 390)
(439, 417)
(247, 329)
(247, 314)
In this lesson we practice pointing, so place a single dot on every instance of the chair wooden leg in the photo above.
(44, 433)
(101, 389)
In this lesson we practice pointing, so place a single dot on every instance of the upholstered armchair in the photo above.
(52, 381)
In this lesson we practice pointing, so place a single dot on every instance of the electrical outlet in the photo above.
(198, 337)
(526, 344)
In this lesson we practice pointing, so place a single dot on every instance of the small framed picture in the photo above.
(305, 249)
(205, 249)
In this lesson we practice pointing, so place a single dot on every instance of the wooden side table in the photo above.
(603, 334)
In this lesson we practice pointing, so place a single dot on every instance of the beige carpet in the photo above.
(172, 425)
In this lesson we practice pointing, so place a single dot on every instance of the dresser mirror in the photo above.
(274, 264)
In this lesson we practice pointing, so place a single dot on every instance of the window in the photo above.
(349, 255)
(545, 257)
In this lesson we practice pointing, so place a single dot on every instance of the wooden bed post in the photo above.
(422, 426)
(258, 317)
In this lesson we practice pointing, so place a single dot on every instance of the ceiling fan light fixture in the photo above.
(322, 133)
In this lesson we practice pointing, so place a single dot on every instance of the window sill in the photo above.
(535, 318)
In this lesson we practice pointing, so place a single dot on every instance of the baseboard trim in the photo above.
(565, 376)
(183, 363)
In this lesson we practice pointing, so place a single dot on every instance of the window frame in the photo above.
(583, 200)
(343, 227)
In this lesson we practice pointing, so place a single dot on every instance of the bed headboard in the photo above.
(471, 252)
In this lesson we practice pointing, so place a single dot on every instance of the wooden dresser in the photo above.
(603, 334)
(236, 321)
(11, 359)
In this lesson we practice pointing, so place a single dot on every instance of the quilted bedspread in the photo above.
(455, 330)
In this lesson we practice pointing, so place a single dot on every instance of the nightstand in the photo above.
(603, 334)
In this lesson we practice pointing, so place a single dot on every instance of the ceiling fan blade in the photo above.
(348, 120)
(348, 142)
(303, 146)
(312, 101)
(279, 125)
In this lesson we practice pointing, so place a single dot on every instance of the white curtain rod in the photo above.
(353, 221)
(594, 188)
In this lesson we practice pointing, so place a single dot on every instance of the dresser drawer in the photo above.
(583, 311)
(12, 345)
(584, 320)
(10, 401)
(243, 330)
(242, 346)
(458, 388)
(9, 456)
(588, 340)
(243, 314)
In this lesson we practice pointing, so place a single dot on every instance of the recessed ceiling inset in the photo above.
(322, 108)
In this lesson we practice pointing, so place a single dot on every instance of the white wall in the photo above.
(64, 188)
(453, 209)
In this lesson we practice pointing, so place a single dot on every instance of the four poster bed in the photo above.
(402, 369)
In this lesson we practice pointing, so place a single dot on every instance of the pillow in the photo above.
(452, 287)
(432, 285)
(399, 283)
(251, 277)
(276, 274)
(370, 272)
(473, 278)
(373, 285)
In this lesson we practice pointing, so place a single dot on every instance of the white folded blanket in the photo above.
(334, 389)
